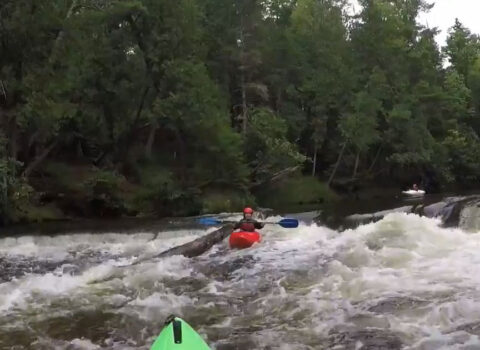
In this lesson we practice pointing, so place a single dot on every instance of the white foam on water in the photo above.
(18, 292)
(307, 281)
(401, 256)
(84, 344)
(62, 246)
(75, 344)
(174, 267)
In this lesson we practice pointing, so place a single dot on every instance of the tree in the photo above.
(458, 98)
(267, 147)
(359, 128)
(235, 38)
(233, 96)
(462, 48)
(321, 72)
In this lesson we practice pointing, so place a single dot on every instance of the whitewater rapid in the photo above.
(403, 282)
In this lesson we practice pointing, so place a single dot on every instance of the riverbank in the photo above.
(79, 195)
(63, 192)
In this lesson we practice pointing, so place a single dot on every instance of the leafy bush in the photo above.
(267, 147)
(12, 191)
(464, 156)
(295, 191)
(226, 201)
(103, 190)
(65, 178)
(160, 194)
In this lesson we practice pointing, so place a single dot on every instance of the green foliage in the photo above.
(462, 48)
(161, 194)
(267, 146)
(296, 191)
(67, 179)
(457, 96)
(463, 155)
(225, 97)
(168, 200)
(28, 212)
(9, 186)
(13, 191)
(225, 201)
(195, 111)
(103, 182)
(322, 74)
(360, 127)
(409, 137)
(103, 192)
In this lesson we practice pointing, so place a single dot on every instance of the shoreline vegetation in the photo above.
(161, 108)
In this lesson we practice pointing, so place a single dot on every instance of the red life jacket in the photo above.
(247, 226)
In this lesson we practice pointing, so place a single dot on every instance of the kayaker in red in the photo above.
(247, 236)
(248, 223)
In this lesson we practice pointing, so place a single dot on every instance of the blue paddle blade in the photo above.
(208, 221)
(288, 223)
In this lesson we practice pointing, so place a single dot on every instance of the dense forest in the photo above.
(177, 107)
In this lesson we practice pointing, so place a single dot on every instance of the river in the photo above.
(403, 282)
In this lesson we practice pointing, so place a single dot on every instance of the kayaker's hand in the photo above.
(259, 225)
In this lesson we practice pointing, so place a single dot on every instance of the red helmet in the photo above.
(248, 210)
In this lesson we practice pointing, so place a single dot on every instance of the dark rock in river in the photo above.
(463, 212)
(460, 212)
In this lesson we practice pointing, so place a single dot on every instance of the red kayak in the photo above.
(241, 240)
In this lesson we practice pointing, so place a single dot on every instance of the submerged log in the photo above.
(200, 245)
(196, 247)
(189, 250)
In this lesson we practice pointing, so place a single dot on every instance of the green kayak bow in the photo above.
(178, 335)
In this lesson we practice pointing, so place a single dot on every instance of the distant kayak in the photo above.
(178, 335)
(242, 240)
(414, 192)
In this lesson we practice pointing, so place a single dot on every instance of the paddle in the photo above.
(286, 223)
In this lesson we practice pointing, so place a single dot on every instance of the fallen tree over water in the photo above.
(191, 249)
(200, 245)
(196, 247)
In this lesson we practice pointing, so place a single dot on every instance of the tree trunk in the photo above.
(189, 250)
(13, 138)
(200, 245)
(60, 36)
(242, 77)
(244, 102)
(314, 160)
(80, 153)
(357, 159)
(181, 154)
(332, 175)
(3, 90)
(277, 176)
(130, 134)
(150, 141)
(32, 139)
(29, 169)
(29, 151)
(376, 158)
